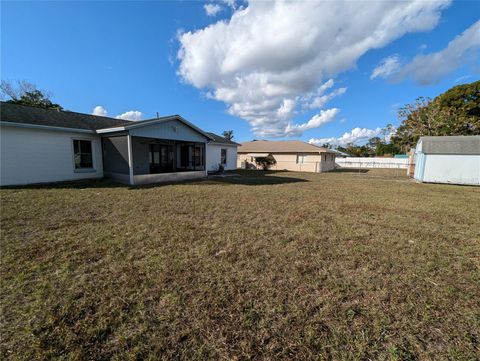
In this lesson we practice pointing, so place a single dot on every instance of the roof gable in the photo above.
(172, 128)
(150, 122)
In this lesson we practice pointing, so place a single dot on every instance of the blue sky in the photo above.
(123, 56)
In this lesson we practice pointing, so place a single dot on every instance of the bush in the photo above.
(265, 162)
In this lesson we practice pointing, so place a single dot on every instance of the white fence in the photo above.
(374, 162)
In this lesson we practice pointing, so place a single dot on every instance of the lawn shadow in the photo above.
(254, 177)
(76, 184)
(350, 170)
(242, 177)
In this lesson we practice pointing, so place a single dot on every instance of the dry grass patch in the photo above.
(339, 266)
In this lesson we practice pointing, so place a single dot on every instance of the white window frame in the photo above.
(82, 170)
(226, 155)
(302, 157)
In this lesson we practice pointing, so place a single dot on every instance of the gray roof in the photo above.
(16, 113)
(468, 145)
(281, 146)
(218, 139)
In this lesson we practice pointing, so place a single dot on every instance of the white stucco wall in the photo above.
(450, 168)
(39, 155)
(214, 155)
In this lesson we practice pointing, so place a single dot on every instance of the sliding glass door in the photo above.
(192, 156)
(161, 158)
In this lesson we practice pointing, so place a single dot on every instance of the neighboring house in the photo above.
(221, 151)
(454, 159)
(291, 155)
(44, 145)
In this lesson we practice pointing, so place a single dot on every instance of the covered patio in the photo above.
(161, 150)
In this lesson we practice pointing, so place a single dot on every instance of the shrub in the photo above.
(265, 162)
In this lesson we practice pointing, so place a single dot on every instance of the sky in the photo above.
(321, 72)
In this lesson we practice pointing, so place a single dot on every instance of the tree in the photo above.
(464, 99)
(455, 112)
(387, 132)
(356, 150)
(382, 147)
(26, 93)
(374, 142)
(228, 134)
(265, 162)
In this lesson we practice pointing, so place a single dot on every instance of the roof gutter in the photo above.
(233, 144)
(46, 127)
(110, 130)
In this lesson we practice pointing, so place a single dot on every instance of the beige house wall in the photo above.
(312, 162)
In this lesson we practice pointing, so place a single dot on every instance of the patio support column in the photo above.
(130, 158)
(174, 156)
(205, 158)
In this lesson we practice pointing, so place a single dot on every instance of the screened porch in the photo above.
(141, 160)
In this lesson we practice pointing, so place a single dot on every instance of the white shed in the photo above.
(449, 159)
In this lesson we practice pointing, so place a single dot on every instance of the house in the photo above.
(449, 159)
(221, 151)
(45, 145)
(291, 155)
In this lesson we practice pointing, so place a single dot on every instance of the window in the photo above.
(82, 154)
(301, 159)
(223, 156)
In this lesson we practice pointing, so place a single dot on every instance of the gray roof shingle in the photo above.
(461, 144)
(16, 113)
(219, 139)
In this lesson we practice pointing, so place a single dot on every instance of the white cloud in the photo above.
(430, 68)
(320, 101)
(99, 110)
(422, 47)
(316, 121)
(273, 53)
(386, 67)
(212, 9)
(462, 78)
(356, 135)
(131, 115)
(230, 3)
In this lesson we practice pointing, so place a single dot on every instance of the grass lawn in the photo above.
(340, 266)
